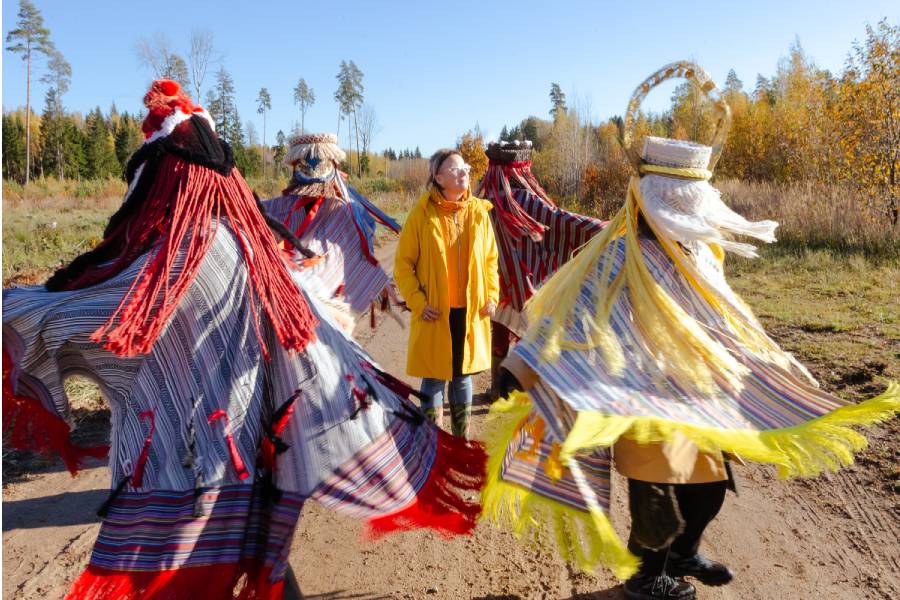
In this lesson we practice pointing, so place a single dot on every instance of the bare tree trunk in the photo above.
(358, 155)
(350, 147)
(264, 145)
(28, 115)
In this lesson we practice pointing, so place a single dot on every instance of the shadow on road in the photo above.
(58, 510)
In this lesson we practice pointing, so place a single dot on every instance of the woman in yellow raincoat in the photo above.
(446, 270)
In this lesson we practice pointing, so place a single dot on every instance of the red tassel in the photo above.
(182, 204)
(137, 479)
(459, 464)
(247, 580)
(236, 459)
(267, 450)
(314, 205)
(33, 427)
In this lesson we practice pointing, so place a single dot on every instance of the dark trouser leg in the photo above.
(655, 523)
(499, 349)
(699, 503)
(460, 393)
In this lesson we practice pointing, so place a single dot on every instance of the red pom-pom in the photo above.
(168, 87)
(163, 98)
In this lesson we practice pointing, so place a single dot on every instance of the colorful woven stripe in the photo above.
(385, 477)
(532, 461)
(534, 236)
(342, 233)
(349, 439)
(771, 397)
(158, 530)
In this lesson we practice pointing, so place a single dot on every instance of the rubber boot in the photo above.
(494, 393)
(459, 419)
(435, 415)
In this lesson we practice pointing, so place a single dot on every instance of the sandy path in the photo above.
(835, 537)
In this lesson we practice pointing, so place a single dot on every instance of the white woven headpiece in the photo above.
(679, 154)
(690, 209)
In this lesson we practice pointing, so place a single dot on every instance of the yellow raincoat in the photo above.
(420, 270)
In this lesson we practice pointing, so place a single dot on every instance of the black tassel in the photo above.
(104, 508)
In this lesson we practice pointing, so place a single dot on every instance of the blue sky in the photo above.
(434, 70)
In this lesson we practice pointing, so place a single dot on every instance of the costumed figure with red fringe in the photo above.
(234, 396)
(338, 223)
(535, 237)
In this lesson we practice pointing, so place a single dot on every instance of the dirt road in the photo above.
(834, 537)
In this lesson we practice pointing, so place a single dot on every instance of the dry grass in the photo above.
(814, 216)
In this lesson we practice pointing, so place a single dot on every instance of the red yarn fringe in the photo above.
(512, 217)
(182, 203)
(247, 580)
(33, 427)
(459, 466)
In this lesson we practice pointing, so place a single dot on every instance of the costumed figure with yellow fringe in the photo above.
(638, 353)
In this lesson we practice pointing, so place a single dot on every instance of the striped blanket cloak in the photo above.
(337, 224)
(534, 236)
(549, 449)
(215, 450)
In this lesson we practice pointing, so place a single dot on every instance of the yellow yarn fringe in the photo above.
(679, 343)
(585, 538)
(823, 444)
(683, 173)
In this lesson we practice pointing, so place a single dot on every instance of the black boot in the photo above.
(658, 587)
(707, 572)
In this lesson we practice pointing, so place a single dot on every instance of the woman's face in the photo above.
(453, 176)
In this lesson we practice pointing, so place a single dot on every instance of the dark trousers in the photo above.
(670, 517)
(457, 338)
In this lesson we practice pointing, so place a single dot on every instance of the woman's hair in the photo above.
(434, 165)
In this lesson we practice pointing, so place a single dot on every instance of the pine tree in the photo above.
(128, 137)
(279, 151)
(100, 147)
(349, 96)
(52, 136)
(732, 83)
(557, 101)
(305, 97)
(13, 148)
(264, 104)
(222, 108)
(58, 76)
(29, 37)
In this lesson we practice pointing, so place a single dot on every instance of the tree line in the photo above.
(802, 124)
(63, 144)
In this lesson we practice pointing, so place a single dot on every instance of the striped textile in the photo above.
(353, 488)
(525, 263)
(343, 234)
(151, 531)
(771, 397)
(208, 359)
(525, 461)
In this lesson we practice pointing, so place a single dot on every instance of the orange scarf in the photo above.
(449, 205)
